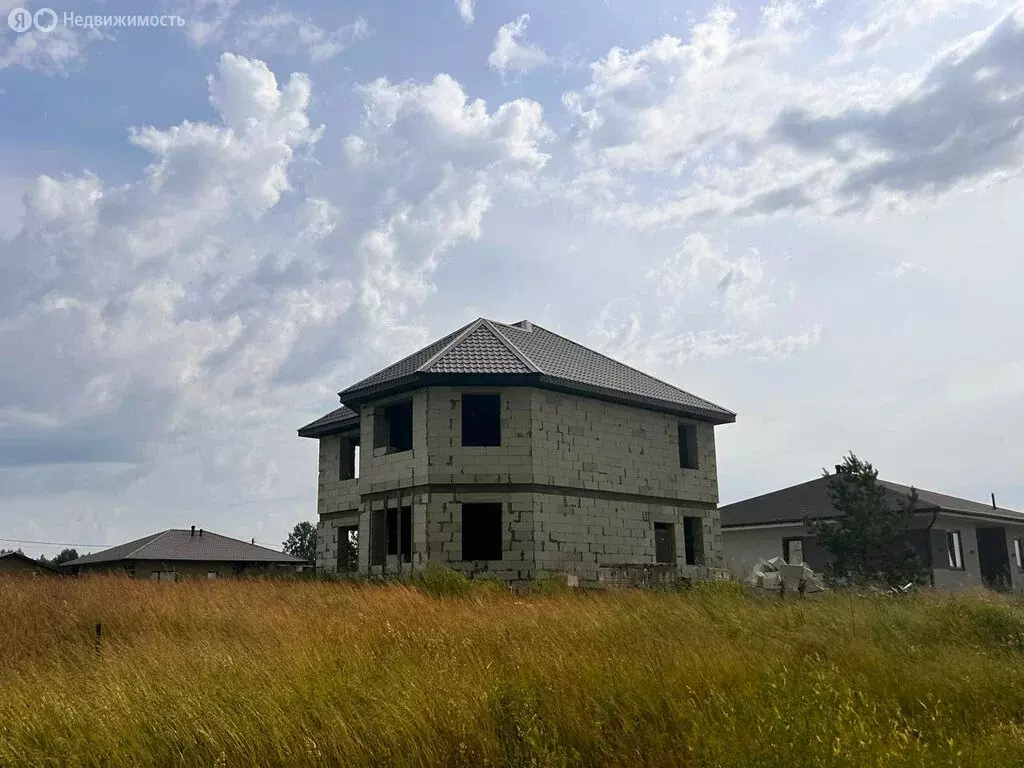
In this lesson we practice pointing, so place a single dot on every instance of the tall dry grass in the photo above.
(254, 673)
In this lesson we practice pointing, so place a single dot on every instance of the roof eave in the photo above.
(353, 397)
(721, 416)
(326, 430)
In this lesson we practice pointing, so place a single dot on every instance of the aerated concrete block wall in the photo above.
(452, 463)
(599, 446)
(624, 461)
(581, 481)
(444, 534)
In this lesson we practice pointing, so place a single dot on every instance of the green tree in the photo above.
(65, 556)
(301, 542)
(868, 542)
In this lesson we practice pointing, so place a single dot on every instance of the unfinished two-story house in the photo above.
(511, 450)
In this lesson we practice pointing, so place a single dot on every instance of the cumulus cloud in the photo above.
(206, 19)
(138, 311)
(729, 130)
(465, 8)
(287, 32)
(739, 283)
(628, 333)
(430, 160)
(512, 53)
(678, 315)
(49, 53)
(960, 123)
(246, 158)
(439, 115)
(886, 21)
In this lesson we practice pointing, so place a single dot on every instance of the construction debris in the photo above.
(776, 576)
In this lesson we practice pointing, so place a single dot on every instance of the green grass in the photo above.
(253, 673)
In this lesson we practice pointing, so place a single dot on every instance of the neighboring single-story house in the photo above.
(964, 543)
(21, 564)
(177, 553)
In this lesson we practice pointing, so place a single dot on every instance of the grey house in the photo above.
(965, 543)
(177, 554)
(511, 450)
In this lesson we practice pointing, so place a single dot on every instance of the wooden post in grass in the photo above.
(99, 638)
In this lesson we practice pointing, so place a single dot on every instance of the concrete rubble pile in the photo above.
(777, 576)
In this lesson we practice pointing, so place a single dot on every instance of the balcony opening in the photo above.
(392, 428)
(348, 459)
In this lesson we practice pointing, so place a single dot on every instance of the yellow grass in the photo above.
(253, 673)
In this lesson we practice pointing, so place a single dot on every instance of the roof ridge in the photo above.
(457, 333)
(630, 367)
(466, 331)
(511, 347)
(143, 546)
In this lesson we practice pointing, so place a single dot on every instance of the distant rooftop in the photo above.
(183, 545)
(811, 500)
(521, 354)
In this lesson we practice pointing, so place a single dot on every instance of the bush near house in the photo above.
(309, 673)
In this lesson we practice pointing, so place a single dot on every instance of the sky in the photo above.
(209, 226)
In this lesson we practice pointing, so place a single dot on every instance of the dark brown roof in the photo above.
(182, 545)
(810, 500)
(522, 354)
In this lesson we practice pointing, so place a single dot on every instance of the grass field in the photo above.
(254, 673)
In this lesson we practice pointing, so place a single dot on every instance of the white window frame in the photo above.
(955, 550)
(1018, 552)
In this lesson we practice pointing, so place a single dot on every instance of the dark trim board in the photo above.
(356, 398)
(550, 490)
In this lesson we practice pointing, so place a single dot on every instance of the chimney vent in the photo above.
(200, 531)
(193, 531)
(994, 502)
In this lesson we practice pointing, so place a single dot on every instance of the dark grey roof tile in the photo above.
(811, 500)
(482, 350)
(339, 418)
(182, 545)
(485, 347)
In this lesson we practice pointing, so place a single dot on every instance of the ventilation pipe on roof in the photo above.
(193, 531)
(994, 502)
(200, 531)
